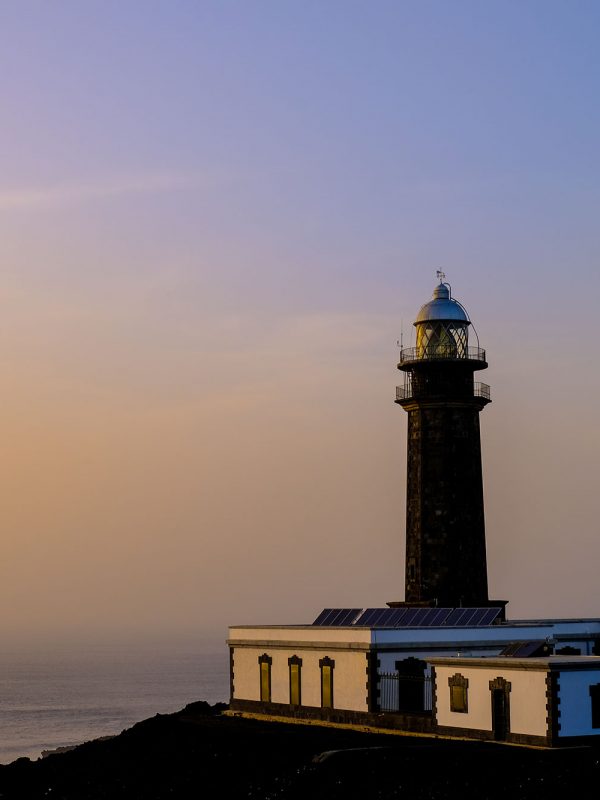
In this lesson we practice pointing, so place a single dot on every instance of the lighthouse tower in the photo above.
(445, 531)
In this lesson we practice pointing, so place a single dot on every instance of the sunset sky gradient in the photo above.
(216, 218)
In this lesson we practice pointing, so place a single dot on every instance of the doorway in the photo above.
(500, 695)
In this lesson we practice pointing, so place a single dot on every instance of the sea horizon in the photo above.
(65, 692)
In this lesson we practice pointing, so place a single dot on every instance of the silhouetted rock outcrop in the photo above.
(199, 752)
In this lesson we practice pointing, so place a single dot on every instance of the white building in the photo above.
(548, 702)
(406, 678)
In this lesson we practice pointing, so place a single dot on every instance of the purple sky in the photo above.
(215, 220)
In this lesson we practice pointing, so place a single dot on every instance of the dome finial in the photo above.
(441, 275)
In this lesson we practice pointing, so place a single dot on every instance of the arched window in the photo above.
(459, 699)
(326, 664)
(264, 665)
(295, 665)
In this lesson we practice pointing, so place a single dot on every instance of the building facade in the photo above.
(412, 679)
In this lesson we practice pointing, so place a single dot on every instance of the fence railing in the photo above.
(405, 694)
(435, 352)
(479, 390)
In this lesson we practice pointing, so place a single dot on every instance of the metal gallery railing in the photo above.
(482, 390)
(437, 352)
(479, 390)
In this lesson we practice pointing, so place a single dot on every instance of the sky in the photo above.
(216, 220)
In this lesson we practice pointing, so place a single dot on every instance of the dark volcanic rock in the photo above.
(200, 753)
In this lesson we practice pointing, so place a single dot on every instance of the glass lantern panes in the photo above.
(437, 339)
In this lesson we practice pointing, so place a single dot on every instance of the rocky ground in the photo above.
(200, 752)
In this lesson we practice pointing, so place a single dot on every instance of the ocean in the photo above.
(59, 696)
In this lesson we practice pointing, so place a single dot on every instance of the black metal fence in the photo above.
(442, 352)
(404, 693)
(482, 390)
(406, 392)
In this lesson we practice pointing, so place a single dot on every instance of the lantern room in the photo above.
(442, 332)
(442, 327)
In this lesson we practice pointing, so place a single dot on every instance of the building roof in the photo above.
(553, 663)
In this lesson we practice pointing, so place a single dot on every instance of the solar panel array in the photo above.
(407, 617)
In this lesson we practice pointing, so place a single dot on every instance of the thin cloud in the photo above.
(50, 196)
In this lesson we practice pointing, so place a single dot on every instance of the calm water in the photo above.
(70, 694)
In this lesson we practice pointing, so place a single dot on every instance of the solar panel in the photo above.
(476, 618)
(471, 616)
(485, 614)
(329, 614)
(408, 617)
(371, 615)
(490, 615)
(439, 617)
(429, 617)
(338, 619)
(396, 617)
(366, 617)
(321, 617)
(391, 618)
(337, 616)
(381, 617)
(454, 617)
(333, 612)
(526, 649)
(347, 616)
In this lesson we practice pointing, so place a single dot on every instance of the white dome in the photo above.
(442, 308)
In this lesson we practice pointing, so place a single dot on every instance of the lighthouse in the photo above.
(445, 529)
(445, 660)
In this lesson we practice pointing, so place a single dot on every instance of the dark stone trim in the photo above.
(415, 723)
(411, 723)
(231, 668)
(552, 707)
(433, 697)
(377, 698)
(326, 662)
(475, 733)
(577, 741)
(501, 683)
(372, 681)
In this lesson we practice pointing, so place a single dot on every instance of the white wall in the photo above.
(305, 634)
(575, 703)
(527, 698)
(349, 676)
